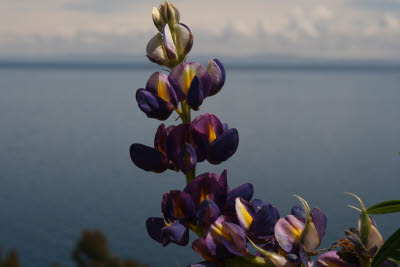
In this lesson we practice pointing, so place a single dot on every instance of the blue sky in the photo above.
(328, 29)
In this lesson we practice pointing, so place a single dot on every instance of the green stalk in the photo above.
(366, 262)
(190, 175)
(248, 261)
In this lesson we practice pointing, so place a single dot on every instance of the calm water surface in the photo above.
(65, 166)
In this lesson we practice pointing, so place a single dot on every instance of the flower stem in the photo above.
(190, 175)
(249, 261)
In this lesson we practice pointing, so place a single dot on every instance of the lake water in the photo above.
(65, 166)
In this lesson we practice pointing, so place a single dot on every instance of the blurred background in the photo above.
(312, 87)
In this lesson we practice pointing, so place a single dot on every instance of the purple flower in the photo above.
(219, 142)
(191, 82)
(185, 137)
(296, 233)
(230, 235)
(217, 74)
(158, 100)
(171, 46)
(178, 211)
(153, 159)
(187, 159)
(332, 259)
(207, 213)
(209, 186)
(258, 219)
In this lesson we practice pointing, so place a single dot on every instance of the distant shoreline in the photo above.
(270, 66)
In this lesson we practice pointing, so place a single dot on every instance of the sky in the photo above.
(326, 29)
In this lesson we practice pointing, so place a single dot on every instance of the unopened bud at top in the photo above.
(165, 13)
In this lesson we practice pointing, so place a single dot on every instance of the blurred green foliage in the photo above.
(91, 250)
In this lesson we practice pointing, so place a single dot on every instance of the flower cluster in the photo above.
(184, 89)
(225, 220)
(181, 147)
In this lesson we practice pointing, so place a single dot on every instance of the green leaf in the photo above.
(390, 206)
(388, 250)
(394, 261)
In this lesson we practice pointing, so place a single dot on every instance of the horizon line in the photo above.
(311, 65)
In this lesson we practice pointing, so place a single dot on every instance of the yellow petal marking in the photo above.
(187, 78)
(243, 214)
(162, 91)
(211, 133)
(218, 229)
(204, 194)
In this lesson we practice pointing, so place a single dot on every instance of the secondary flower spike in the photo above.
(158, 100)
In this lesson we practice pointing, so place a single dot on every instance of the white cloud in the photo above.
(316, 28)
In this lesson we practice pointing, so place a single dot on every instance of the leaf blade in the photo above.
(390, 206)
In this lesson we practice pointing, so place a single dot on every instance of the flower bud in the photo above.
(166, 13)
(171, 45)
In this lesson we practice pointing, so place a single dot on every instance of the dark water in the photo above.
(65, 166)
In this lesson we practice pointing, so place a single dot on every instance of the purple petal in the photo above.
(299, 212)
(332, 259)
(154, 227)
(207, 185)
(178, 205)
(152, 105)
(148, 158)
(187, 159)
(303, 256)
(182, 75)
(176, 233)
(195, 93)
(159, 85)
(160, 139)
(217, 74)
(288, 232)
(264, 221)
(319, 219)
(155, 50)
(207, 213)
(223, 147)
(225, 126)
(206, 247)
(201, 143)
(257, 204)
(184, 39)
(178, 136)
(244, 191)
(169, 45)
(210, 125)
(146, 101)
(234, 239)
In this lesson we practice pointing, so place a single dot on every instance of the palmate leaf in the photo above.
(390, 206)
(390, 249)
